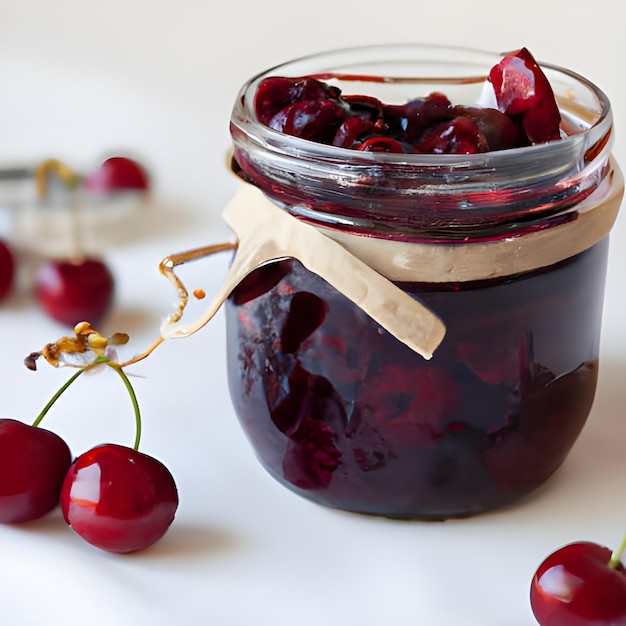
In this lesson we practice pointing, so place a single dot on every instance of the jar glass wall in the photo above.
(343, 413)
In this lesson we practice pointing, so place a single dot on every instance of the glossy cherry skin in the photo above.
(118, 499)
(523, 92)
(33, 464)
(575, 586)
(277, 92)
(75, 291)
(117, 174)
(7, 270)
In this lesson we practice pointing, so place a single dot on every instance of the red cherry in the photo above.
(276, 93)
(351, 130)
(498, 129)
(75, 291)
(317, 120)
(7, 270)
(524, 92)
(33, 464)
(118, 499)
(576, 586)
(457, 136)
(117, 174)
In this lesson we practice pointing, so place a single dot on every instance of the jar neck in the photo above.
(426, 197)
(474, 260)
(431, 212)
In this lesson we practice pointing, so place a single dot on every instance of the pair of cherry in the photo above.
(115, 497)
(78, 287)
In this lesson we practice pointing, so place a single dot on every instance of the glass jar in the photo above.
(507, 248)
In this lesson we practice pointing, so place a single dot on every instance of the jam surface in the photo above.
(343, 413)
(524, 113)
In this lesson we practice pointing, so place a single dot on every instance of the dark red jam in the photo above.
(336, 408)
(346, 415)
(525, 112)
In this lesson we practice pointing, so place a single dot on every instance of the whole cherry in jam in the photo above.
(119, 499)
(33, 464)
(71, 291)
(581, 584)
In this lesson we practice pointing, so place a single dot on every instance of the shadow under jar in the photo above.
(508, 248)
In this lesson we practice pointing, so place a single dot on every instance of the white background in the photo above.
(81, 80)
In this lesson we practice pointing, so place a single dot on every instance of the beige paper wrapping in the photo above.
(363, 268)
(265, 232)
(444, 263)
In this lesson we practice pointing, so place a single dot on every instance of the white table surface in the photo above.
(83, 80)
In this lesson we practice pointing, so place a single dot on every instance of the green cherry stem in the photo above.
(617, 554)
(131, 392)
(55, 397)
(133, 398)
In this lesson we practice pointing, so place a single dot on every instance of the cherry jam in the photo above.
(507, 245)
(343, 413)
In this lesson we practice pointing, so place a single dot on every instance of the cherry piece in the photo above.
(317, 120)
(306, 313)
(413, 118)
(7, 270)
(276, 93)
(312, 109)
(311, 457)
(524, 92)
(498, 129)
(308, 411)
(351, 130)
(75, 291)
(578, 585)
(458, 136)
(33, 464)
(367, 107)
(260, 281)
(117, 174)
(381, 144)
(119, 499)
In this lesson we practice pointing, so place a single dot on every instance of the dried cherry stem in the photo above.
(617, 554)
(166, 267)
